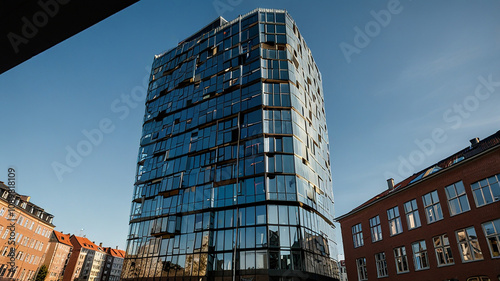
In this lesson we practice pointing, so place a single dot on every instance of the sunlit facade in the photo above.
(233, 176)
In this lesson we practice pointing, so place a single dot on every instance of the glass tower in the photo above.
(233, 173)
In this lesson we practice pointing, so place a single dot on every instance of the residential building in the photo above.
(86, 260)
(57, 256)
(113, 265)
(342, 271)
(233, 173)
(442, 223)
(31, 232)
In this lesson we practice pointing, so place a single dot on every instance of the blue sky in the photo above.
(413, 77)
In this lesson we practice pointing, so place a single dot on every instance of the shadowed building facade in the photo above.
(233, 179)
(113, 265)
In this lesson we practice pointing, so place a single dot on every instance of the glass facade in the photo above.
(233, 172)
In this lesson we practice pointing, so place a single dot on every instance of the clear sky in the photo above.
(390, 86)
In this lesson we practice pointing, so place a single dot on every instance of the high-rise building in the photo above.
(233, 178)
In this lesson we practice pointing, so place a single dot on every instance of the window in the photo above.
(357, 235)
(492, 233)
(401, 260)
(412, 216)
(486, 191)
(361, 264)
(5, 251)
(457, 199)
(375, 228)
(277, 122)
(5, 233)
(420, 258)
(468, 245)
(381, 265)
(395, 226)
(432, 207)
(443, 250)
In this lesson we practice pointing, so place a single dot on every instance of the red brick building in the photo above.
(86, 260)
(442, 223)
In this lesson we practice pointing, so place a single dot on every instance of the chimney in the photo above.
(117, 247)
(474, 142)
(390, 183)
(100, 244)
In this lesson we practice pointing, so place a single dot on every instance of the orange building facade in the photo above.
(57, 256)
(30, 227)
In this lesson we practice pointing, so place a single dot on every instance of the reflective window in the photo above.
(420, 259)
(285, 236)
(281, 187)
(443, 250)
(272, 214)
(492, 232)
(260, 214)
(361, 265)
(260, 236)
(412, 216)
(457, 199)
(276, 94)
(432, 207)
(468, 245)
(274, 236)
(375, 229)
(277, 122)
(381, 264)
(486, 191)
(357, 235)
(395, 226)
(401, 260)
(261, 260)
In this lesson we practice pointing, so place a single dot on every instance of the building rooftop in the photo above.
(86, 243)
(213, 27)
(115, 252)
(63, 238)
(474, 149)
(23, 203)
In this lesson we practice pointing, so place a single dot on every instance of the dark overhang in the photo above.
(29, 27)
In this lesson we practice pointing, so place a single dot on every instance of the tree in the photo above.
(42, 273)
